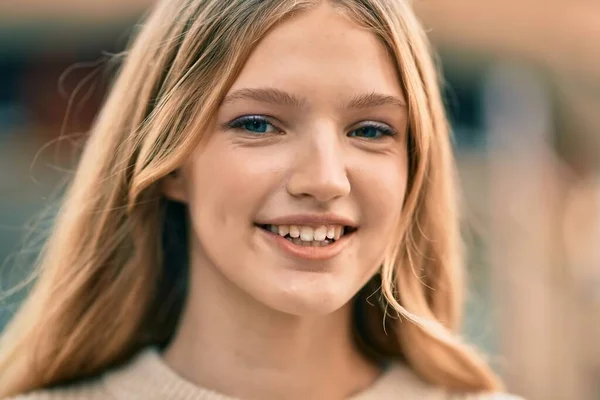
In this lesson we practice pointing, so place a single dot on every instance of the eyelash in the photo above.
(239, 123)
(384, 129)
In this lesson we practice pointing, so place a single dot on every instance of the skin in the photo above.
(260, 323)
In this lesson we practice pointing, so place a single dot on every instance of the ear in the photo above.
(172, 187)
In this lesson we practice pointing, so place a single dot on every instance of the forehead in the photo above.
(321, 51)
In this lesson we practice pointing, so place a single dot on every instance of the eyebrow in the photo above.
(372, 100)
(266, 95)
(279, 97)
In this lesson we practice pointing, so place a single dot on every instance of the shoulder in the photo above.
(485, 396)
(92, 390)
(140, 377)
(400, 379)
(110, 385)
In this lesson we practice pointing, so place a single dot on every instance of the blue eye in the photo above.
(253, 124)
(372, 131)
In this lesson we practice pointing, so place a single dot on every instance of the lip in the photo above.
(314, 220)
(308, 252)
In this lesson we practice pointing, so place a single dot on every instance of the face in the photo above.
(296, 194)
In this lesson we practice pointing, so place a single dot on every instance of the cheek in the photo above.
(226, 182)
(227, 185)
(387, 196)
(381, 190)
(382, 181)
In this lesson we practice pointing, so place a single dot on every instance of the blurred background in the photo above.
(523, 92)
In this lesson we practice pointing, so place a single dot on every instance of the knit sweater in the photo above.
(148, 377)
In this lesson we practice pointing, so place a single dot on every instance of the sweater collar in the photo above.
(147, 376)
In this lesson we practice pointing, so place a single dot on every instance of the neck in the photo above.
(232, 344)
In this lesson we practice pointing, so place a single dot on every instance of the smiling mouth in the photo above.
(309, 236)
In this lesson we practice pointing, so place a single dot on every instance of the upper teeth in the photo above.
(309, 233)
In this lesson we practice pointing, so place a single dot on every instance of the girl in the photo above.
(265, 209)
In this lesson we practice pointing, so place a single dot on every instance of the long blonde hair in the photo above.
(107, 284)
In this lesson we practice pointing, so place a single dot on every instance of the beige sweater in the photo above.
(148, 377)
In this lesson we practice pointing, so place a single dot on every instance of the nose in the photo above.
(320, 169)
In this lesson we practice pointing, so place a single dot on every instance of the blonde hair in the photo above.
(105, 272)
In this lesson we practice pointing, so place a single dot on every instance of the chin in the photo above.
(310, 299)
(308, 307)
